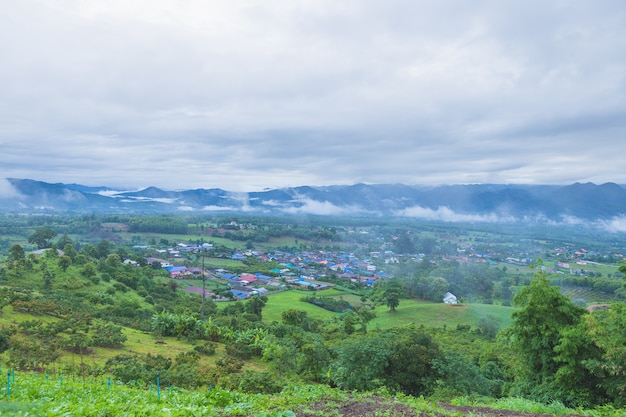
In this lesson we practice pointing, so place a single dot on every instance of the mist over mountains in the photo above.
(483, 202)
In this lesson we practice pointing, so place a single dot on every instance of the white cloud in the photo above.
(324, 208)
(7, 190)
(448, 215)
(615, 225)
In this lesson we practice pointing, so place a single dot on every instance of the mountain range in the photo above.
(478, 202)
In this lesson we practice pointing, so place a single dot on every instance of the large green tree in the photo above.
(16, 253)
(392, 299)
(580, 380)
(593, 358)
(410, 366)
(543, 314)
(361, 362)
(41, 237)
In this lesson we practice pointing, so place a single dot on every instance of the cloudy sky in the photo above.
(245, 95)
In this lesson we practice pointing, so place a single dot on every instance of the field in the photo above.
(439, 315)
(415, 312)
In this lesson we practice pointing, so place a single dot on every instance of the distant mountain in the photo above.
(487, 202)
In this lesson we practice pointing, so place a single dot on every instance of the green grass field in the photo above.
(418, 312)
(439, 315)
(277, 303)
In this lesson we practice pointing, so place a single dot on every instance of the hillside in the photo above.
(352, 311)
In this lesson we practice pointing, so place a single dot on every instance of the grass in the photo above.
(9, 316)
(137, 342)
(31, 394)
(432, 314)
(532, 407)
(277, 303)
(278, 242)
(418, 312)
(217, 263)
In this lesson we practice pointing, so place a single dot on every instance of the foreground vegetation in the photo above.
(97, 311)
(31, 394)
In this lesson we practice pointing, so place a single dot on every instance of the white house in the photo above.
(450, 298)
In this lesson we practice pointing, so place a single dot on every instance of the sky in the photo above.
(256, 94)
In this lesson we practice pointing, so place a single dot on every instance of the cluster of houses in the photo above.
(302, 270)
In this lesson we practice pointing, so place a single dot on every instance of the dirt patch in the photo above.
(372, 408)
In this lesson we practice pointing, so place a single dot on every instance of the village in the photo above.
(317, 270)
(305, 270)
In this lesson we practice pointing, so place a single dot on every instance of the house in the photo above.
(130, 262)
(176, 270)
(450, 298)
(247, 279)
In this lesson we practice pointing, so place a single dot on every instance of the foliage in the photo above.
(392, 299)
(41, 237)
(106, 334)
(157, 224)
(399, 359)
(16, 253)
(361, 362)
(328, 303)
(412, 362)
(537, 330)
(460, 376)
(593, 357)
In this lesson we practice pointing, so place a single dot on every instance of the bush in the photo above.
(107, 335)
(208, 348)
(257, 382)
(328, 303)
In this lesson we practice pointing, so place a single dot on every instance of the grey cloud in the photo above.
(242, 96)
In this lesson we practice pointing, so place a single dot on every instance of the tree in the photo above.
(404, 244)
(16, 253)
(48, 278)
(410, 366)
(578, 381)
(254, 306)
(52, 252)
(107, 334)
(31, 353)
(64, 241)
(360, 362)
(543, 314)
(460, 376)
(391, 293)
(65, 262)
(592, 356)
(68, 249)
(293, 317)
(392, 299)
(103, 249)
(436, 288)
(365, 315)
(112, 263)
(89, 270)
(41, 237)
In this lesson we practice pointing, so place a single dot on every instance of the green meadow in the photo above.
(416, 312)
